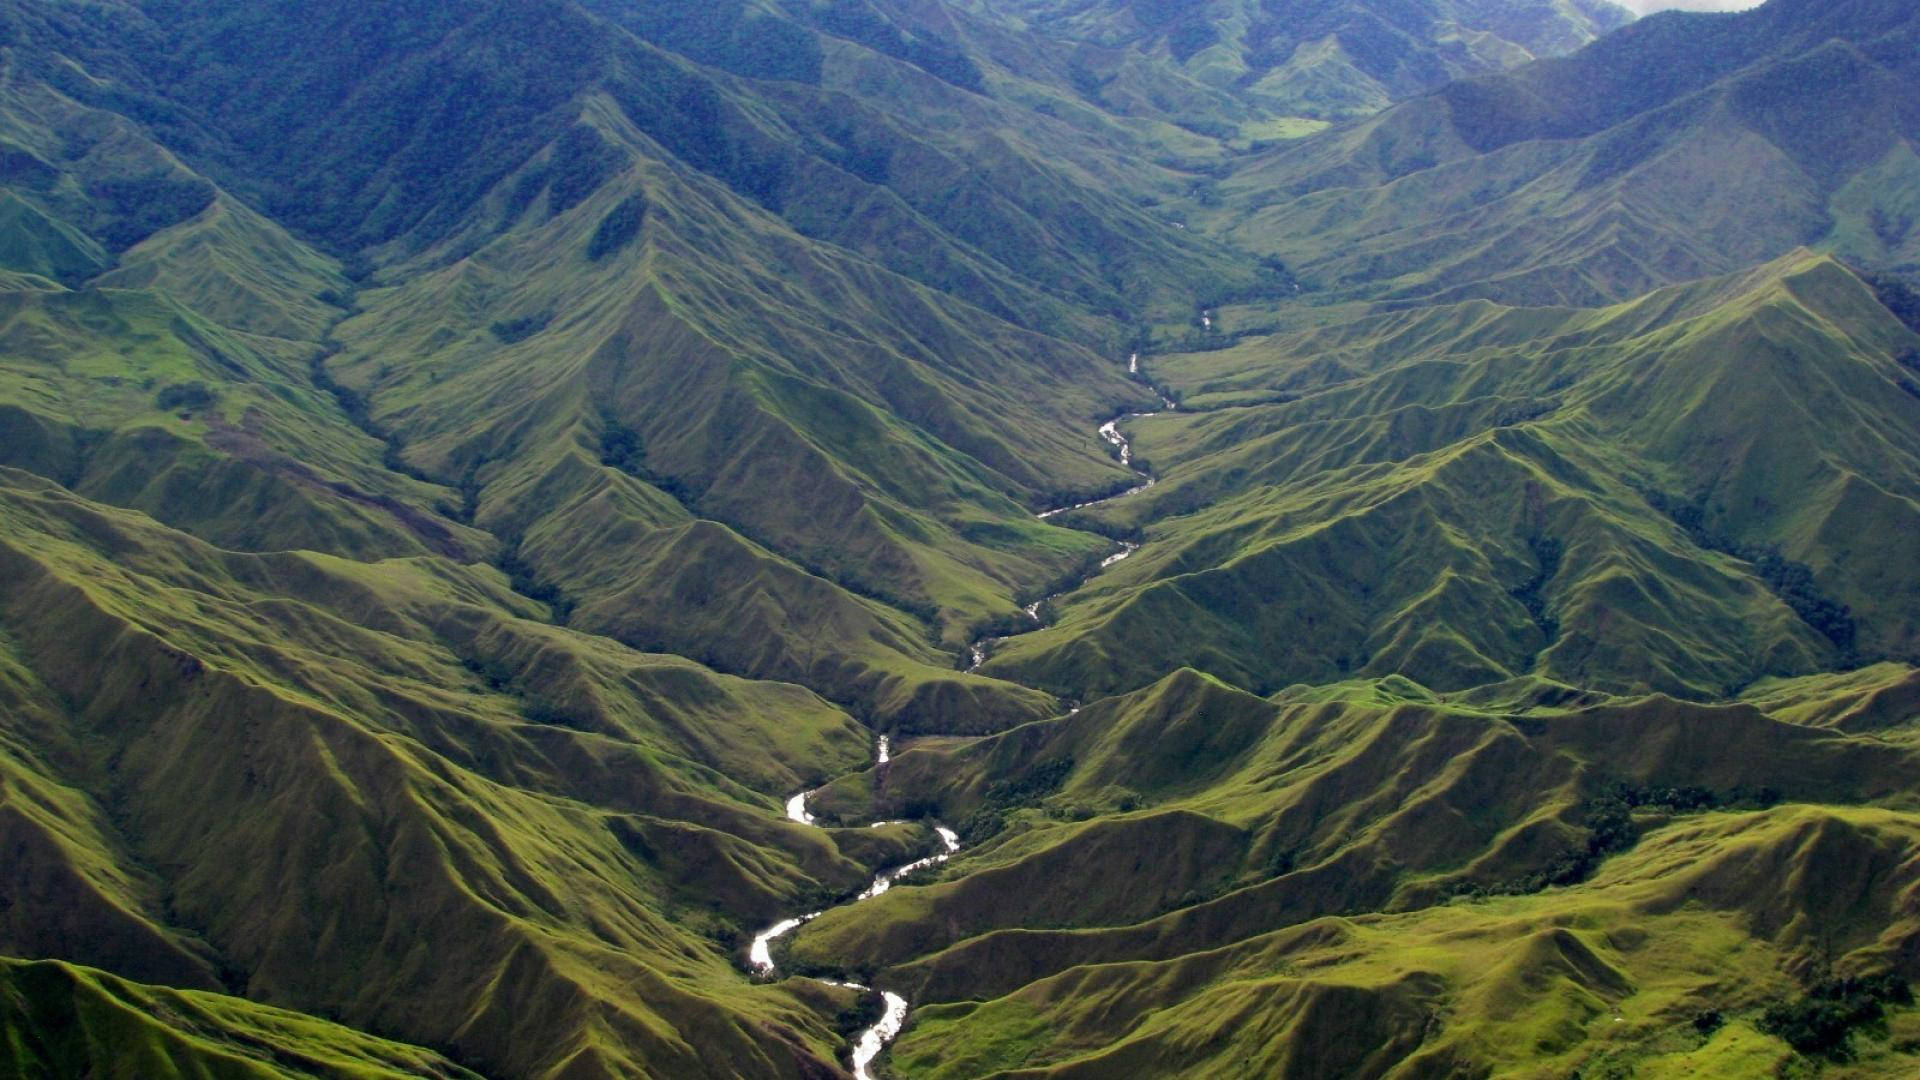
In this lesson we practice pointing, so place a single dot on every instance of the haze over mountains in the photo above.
(1648, 7)
(506, 503)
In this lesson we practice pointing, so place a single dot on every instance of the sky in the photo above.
(1648, 7)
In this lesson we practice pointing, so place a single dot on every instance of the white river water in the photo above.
(879, 1036)
(1110, 431)
(874, 1040)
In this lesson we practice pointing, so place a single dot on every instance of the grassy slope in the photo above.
(263, 459)
(878, 490)
(133, 398)
(839, 133)
(61, 1020)
(1310, 816)
(1337, 806)
(1680, 147)
(910, 429)
(1486, 475)
(1880, 699)
(767, 366)
(871, 445)
(558, 809)
(1607, 975)
(158, 355)
(1293, 59)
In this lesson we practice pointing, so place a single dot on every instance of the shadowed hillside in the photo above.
(1468, 494)
(788, 538)
(1527, 878)
(1683, 146)
(1321, 60)
(67, 1021)
(545, 804)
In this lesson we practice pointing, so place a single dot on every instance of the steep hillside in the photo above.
(399, 138)
(1665, 495)
(1187, 879)
(311, 780)
(157, 340)
(863, 386)
(59, 1020)
(1603, 979)
(1683, 146)
(1309, 59)
(779, 538)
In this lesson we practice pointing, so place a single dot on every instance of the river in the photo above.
(874, 1040)
(1110, 431)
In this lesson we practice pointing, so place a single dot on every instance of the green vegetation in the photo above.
(1672, 150)
(576, 803)
(1823, 1021)
(1288, 61)
(1792, 582)
(465, 467)
(1003, 795)
(1433, 783)
(618, 228)
(60, 1020)
(1457, 496)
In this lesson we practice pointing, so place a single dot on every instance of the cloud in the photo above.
(1648, 7)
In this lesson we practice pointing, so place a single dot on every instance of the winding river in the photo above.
(872, 1042)
(893, 1016)
(1109, 431)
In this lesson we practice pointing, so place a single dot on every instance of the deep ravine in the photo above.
(1110, 431)
(874, 1040)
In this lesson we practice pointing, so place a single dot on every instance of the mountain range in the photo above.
(1351, 538)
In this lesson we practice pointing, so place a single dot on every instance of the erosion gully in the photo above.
(873, 1041)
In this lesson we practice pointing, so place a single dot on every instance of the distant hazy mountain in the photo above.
(1357, 538)
(1681, 146)
(1314, 57)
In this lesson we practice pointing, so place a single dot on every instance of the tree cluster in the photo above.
(1822, 1022)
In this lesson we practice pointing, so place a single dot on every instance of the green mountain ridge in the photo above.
(1322, 811)
(537, 794)
(1334, 492)
(466, 466)
(148, 1031)
(1682, 147)
(1313, 59)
